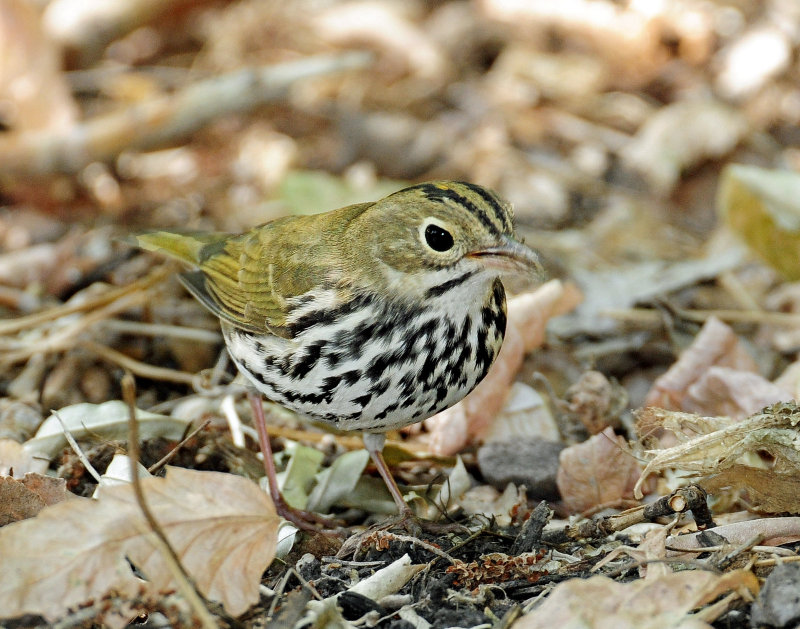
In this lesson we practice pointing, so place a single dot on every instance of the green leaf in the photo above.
(303, 466)
(762, 207)
(337, 481)
(309, 192)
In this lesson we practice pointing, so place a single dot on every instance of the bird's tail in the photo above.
(189, 247)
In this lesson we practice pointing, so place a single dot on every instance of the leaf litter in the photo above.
(658, 299)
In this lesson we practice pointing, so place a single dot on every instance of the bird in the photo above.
(366, 318)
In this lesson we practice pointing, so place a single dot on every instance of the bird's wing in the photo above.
(254, 281)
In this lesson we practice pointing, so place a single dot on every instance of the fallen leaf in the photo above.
(598, 472)
(764, 491)
(731, 392)
(718, 443)
(108, 420)
(656, 603)
(16, 461)
(337, 481)
(222, 527)
(22, 499)
(596, 402)
(775, 531)
(32, 84)
(526, 415)
(761, 206)
(715, 345)
(680, 135)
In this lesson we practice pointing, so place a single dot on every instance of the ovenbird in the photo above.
(370, 317)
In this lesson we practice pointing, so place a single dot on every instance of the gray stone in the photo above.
(530, 462)
(778, 603)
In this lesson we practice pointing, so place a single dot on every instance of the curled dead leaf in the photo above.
(642, 604)
(715, 345)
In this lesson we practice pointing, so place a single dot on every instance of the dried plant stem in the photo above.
(68, 336)
(199, 335)
(112, 294)
(646, 316)
(155, 467)
(183, 582)
(76, 449)
(163, 119)
(137, 367)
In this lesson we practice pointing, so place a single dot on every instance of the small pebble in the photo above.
(529, 462)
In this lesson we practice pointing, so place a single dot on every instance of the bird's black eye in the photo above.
(438, 238)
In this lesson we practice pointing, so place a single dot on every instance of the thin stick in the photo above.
(184, 583)
(66, 337)
(76, 448)
(234, 422)
(162, 120)
(137, 367)
(653, 317)
(379, 535)
(201, 335)
(31, 321)
(165, 459)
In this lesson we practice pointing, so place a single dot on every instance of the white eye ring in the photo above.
(435, 236)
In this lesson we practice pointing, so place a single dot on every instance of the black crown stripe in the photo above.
(434, 193)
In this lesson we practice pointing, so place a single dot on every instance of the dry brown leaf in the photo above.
(665, 601)
(719, 442)
(627, 40)
(528, 315)
(16, 461)
(22, 499)
(715, 345)
(595, 401)
(383, 26)
(734, 393)
(598, 472)
(222, 527)
(765, 491)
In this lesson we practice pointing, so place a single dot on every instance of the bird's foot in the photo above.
(308, 520)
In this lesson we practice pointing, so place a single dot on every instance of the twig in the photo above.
(163, 119)
(112, 294)
(137, 367)
(182, 579)
(690, 498)
(648, 316)
(76, 448)
(165, 459)
(200, 335)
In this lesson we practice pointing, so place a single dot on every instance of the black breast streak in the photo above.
(327, 316)
(493, 321)
(385, 412)
(302, 365)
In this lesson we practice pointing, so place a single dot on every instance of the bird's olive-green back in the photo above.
(253, 280)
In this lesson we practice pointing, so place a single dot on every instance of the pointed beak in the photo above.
(510, 256)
